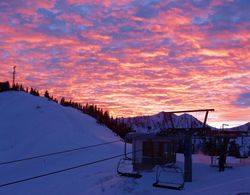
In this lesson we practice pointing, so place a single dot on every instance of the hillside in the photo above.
(27, 121)
(32, 125)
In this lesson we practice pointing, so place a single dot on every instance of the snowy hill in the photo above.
(27, 121)
(32, 125)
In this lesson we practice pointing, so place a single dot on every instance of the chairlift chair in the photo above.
(169, 176)
(125, 165)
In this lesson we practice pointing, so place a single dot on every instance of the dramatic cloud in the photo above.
(243, 100)
(133, 57)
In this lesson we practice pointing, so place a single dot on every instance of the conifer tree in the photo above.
(46, 94)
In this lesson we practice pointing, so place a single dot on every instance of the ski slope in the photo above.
(32, 125)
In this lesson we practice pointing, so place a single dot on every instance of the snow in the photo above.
(32, 125)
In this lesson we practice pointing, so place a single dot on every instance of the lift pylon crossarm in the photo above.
(198, 110)
(170, 113)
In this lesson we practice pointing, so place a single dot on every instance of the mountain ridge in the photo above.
(161, 121)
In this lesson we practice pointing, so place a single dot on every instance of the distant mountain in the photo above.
(161, 121)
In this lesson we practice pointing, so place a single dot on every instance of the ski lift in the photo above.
(125, 165)
(169, 176)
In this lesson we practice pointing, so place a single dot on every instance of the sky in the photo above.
(133, 57)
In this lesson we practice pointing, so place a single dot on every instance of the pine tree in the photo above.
(46, 94)
(62, 102)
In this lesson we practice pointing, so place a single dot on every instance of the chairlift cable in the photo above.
(62, 170)
(59, 152)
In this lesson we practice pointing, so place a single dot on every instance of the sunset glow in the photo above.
(133, 57)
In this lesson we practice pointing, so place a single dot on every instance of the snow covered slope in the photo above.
(32, 125)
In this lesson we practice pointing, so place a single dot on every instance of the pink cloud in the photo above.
(126, 63)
